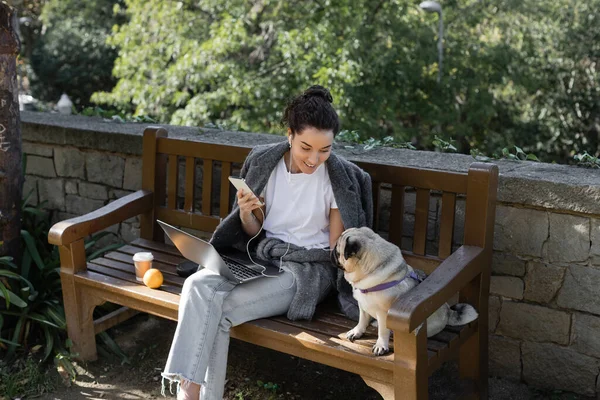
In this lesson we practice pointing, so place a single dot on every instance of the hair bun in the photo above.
(318, 91)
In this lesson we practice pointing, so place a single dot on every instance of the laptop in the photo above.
(234, 265)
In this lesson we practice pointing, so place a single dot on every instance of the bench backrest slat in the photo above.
(376, 191)
(444, 181)
(207, 187)
(190, 183)
(422, 210)
(188, 148)
(174, 161)
(225, 200)
(416, 209)
(172, 179)
(421, 221)
(154, 178)
(447, 224)
(397, 215)
(184, 219)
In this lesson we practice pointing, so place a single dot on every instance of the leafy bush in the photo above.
(513, 73)
(71, 54)
(32, 311)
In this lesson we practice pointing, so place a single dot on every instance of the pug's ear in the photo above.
(351, 248)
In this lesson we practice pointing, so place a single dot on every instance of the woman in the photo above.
(310, 197)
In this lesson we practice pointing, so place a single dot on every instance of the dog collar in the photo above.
(390, 284)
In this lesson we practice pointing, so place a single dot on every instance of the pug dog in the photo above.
(379, 275)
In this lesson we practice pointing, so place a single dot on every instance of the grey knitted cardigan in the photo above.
(352, 191)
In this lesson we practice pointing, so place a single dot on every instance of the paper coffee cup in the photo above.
(142, 262)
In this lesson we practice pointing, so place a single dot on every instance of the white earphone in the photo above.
(290, 166)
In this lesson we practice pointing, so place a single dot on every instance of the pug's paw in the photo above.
(380, 348)
(354, 334)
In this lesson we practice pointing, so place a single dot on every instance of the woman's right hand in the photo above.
(247, 203)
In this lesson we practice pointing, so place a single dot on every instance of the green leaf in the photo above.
(10, 297)
(42, 320)
(25, 201)
(49, 342)
(15, 344)
(26, 264)
(30, 244)
(532, 157)
(14, 275)
(15, 338)
(57, 317)
(519, 150)
(35, 212)
(114, 347)
(6, 260)
(5, 294)
(63, 361)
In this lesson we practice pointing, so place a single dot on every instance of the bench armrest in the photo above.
(66, 232)
(454, 273)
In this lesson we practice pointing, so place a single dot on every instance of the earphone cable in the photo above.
(280, 258)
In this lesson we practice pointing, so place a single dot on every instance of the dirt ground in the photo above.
(253, 373)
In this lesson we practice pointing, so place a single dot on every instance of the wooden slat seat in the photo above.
(326, 329)
(452, 268)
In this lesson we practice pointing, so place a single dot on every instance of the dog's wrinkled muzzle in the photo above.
(335, 257)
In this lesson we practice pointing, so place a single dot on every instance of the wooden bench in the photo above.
(402, 374)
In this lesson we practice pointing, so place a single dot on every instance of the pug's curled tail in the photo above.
(461, 314)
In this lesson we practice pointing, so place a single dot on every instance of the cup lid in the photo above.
(143, 256)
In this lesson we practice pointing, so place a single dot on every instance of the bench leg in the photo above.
(80, 325)
(79, 306)
(473, 355)
(386, 390)
(410, 365)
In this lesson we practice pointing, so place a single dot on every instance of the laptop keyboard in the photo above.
(239, 270)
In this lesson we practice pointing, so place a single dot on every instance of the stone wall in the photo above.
(74, 181)
(545, 289)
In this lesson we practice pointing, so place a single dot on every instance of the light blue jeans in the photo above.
(210, 305)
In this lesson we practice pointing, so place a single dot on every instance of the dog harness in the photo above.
(390, 284)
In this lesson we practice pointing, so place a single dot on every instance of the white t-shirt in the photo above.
(298, 206)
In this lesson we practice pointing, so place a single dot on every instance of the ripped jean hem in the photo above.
(174, 377)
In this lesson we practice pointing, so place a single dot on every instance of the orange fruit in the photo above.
(153, 278)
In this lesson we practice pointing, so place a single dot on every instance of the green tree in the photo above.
(515, 72)
(71, 54)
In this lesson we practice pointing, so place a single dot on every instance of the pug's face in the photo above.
(353, 253)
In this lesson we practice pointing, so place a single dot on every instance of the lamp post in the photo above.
(434, 6)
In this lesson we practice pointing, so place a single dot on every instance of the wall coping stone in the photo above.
(550, 186)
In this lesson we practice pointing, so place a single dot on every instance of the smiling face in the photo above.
(310, 148)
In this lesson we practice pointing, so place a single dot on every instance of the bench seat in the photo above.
(321, 339)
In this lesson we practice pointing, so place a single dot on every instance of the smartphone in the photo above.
(240, 183)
